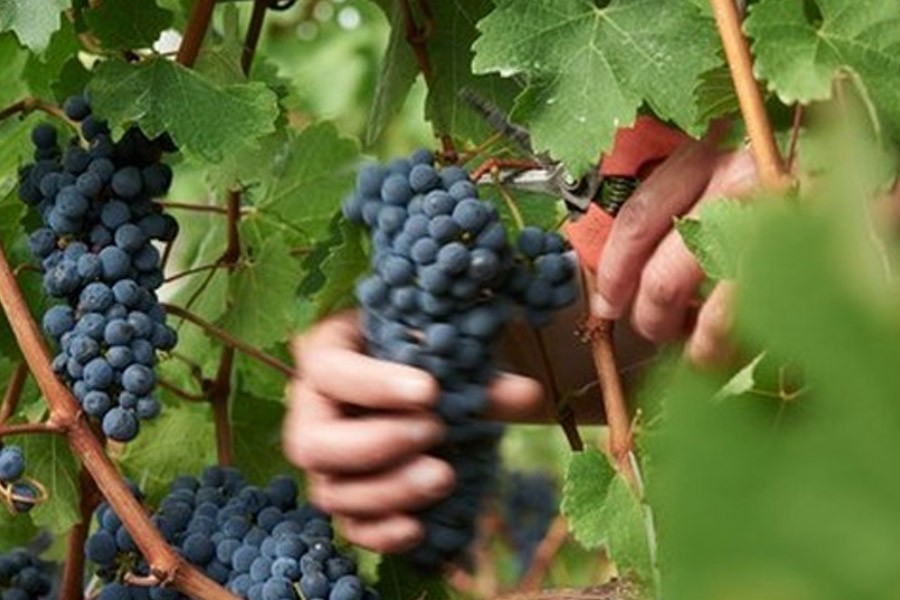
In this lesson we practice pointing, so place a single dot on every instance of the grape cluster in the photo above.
(529, 505)
(256, 541)
(436, 299)
(97, 254)
(544, 278)
(24, 576)
(19, 492)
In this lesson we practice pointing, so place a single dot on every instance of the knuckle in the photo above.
(632, 219)
(661, 289)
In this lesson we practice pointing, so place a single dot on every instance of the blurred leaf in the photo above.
(790, 499)
(399, 581)
(718, 236)
(32, 22)
(800, 47)
(589, 68)
(202, 117)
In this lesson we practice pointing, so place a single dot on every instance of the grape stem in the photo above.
(564, 415)
(620, 445)
(208, 208)
(30, 104)
(13, 392)
(193, 271)
(508, 199)
(164, 562)
(769, 163)
(72, 586)
(795, 136)
(254, 28)
(553, 541)
(194, 32)
(181, 393)
(32, 429)
(417, 37)
(229, 340)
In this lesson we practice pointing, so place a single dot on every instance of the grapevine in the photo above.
(192, 191)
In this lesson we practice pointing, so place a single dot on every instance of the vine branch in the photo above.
(72, 586)
(417, 37)
(229, 340)
(13, 392)
(564, 414)
(257, 17)
(164, 562)
(769, 163)
(198, 23)
(546, 551)
(620, 444)
(48, 427)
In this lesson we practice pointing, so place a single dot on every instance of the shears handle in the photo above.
(636, 152)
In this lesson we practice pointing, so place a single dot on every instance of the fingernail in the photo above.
(415, 388)
(429, 476)
(601, 308)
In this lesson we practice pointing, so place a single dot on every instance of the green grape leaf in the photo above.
(204, 119)
(32, 22)
(126, 25)
(181, 440)
(398, 73)
(345, 262)
(309, 179)
(449, 51)
(801, 46)
(589, 69)
(72, 80)
(42, 71)
(718, 236)
(260, 292)
(603, 511)
(399, 581)
(715, 95)
(15, 530)
(588, 479)
(13, 59)
(256, 431)
(50, 462)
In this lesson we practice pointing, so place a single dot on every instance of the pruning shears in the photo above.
(594, 198)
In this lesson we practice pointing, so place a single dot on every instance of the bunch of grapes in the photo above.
(96, 251)
(258, 542)
(437, 298)
(529, 505)
(19, 492)
(544, 278)
(24, 576)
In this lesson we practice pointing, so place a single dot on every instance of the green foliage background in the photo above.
(776, 479)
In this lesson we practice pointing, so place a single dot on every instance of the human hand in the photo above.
(646, 267)
(362, 427)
